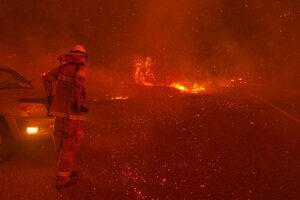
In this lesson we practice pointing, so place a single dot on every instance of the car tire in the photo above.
(6, 141)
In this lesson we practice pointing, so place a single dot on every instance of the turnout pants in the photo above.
(67, 135)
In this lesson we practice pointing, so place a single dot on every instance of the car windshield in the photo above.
(10, 79)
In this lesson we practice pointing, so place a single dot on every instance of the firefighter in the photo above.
(64, 86)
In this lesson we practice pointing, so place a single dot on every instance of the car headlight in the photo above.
(32, 130)
(33, 108)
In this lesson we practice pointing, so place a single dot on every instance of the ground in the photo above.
(234, 145)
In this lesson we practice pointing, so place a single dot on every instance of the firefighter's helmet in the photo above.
(78, 49)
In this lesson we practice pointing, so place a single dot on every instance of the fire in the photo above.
(144, 75)
(179, 87)
(196, 88)
(143, 72)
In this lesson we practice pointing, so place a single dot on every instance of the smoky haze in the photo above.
(195, 39)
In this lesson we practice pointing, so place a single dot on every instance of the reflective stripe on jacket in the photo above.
(66, 84)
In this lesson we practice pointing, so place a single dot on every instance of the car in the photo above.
(23, 113)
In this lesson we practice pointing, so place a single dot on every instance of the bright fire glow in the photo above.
(32, 130)
(179, 87)
(195, 89)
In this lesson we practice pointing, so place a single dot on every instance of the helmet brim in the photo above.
(78, 53)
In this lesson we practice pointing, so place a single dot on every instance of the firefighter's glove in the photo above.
(49, 101)
(75, 107)
(84, 109)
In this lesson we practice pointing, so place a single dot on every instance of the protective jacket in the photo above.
(64, 85)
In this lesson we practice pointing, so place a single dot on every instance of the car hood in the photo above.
(21, 93)
(10, 98)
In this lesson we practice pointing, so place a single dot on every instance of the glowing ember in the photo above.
(233, 83)
(120, 98)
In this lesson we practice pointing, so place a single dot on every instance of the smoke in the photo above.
(253, 39)
(195, 39)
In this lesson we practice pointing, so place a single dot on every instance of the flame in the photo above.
(144, 75)
(195, 89)
(178, 86)
(143, 72)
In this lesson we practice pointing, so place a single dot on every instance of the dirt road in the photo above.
(224, 146)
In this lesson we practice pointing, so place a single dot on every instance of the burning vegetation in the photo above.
(144, 74)
(143, 71)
